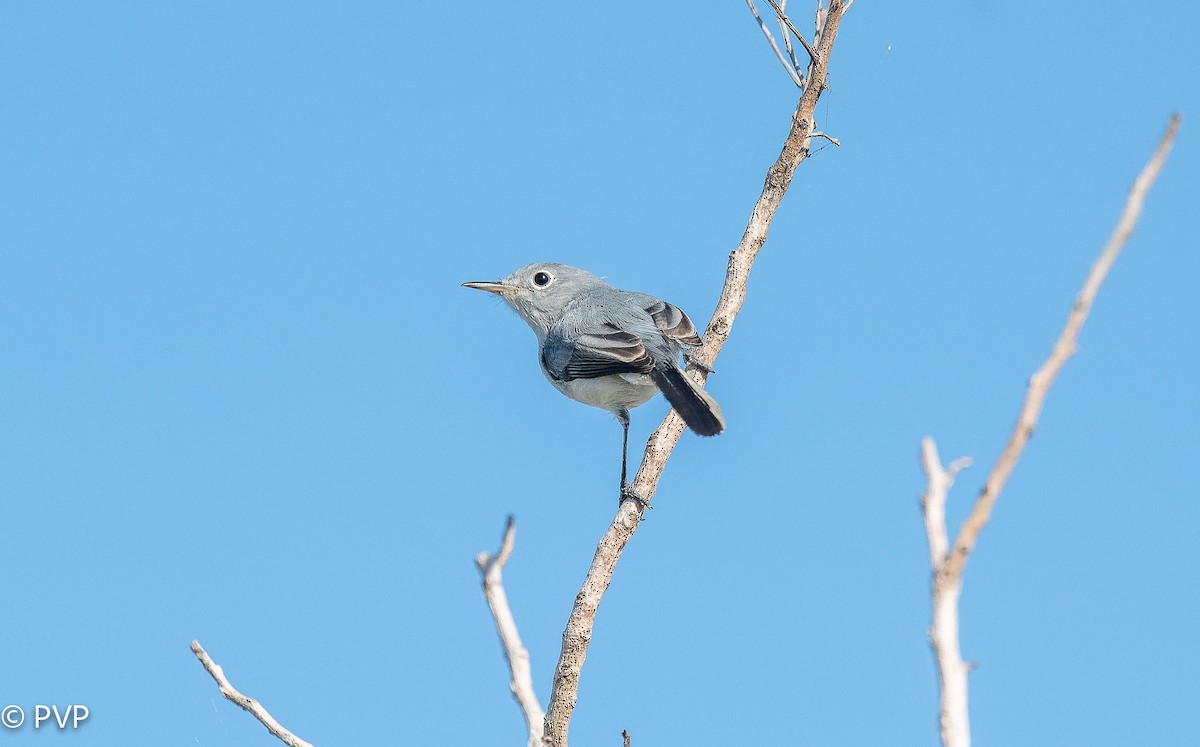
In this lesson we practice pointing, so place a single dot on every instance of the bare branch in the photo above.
(830, 138)
(812, 57)
(933, 503)
(1064, 348)
(787, 36)
(517, 656)
(792, 71)
(779, 177)
(252, 706)
(943, 632)
(578, 632)
(948, 563)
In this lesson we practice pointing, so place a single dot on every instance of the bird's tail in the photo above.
(696, 406)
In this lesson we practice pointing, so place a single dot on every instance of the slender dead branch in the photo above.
(517, 656)
(250, 705)
(792, 69)
(953, 714)
(933, 503)
(578, 632)
(948, 562)
(1064, 348)
(788, 22)
(787, 36)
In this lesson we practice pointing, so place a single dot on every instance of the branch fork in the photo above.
(797, 72)
(520, 672)
(947, 561)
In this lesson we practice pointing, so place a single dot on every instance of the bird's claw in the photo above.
(694, 362)
(629, 494)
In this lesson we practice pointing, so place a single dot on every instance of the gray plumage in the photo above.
(607, 347)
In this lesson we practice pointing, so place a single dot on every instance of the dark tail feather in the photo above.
(696, 406)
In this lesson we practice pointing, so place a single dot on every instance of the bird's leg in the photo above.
(627, 491)
(624, 450)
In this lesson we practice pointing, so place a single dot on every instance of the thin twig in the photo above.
(1039, 383)
(250, 705)
(786, 21)
(933, 503)
(948, 563)
(792, 71)
(520, 673)
(578, 632)
(830, 138)
(787, 37)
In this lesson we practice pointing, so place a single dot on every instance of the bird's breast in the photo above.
(611, 393)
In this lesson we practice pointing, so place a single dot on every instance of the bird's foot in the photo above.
(629, 494)
(697, 364)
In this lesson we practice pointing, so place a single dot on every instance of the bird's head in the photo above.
(539, 292)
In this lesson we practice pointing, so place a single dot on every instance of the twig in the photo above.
(948, 563)
(792, 71)
(250, 705)
(1039, 383)
(933, 503)
(578, 632)
(787, 22)
(517, 656)
(787, 37)
(830, 138)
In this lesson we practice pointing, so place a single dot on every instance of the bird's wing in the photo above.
(671, 321)
(589, 355)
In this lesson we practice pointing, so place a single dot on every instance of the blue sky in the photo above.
(246, 400)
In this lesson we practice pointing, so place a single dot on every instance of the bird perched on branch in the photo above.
(606, 347)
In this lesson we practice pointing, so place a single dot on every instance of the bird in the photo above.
(609, 348)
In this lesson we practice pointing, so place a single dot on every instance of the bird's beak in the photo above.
(490, 287)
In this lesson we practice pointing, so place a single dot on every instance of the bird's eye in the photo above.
(541, 279)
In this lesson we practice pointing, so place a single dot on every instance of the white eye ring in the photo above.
(541, 279)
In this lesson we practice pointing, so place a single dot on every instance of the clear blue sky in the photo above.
(245, 399)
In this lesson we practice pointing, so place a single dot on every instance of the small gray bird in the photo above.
(606, 347)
